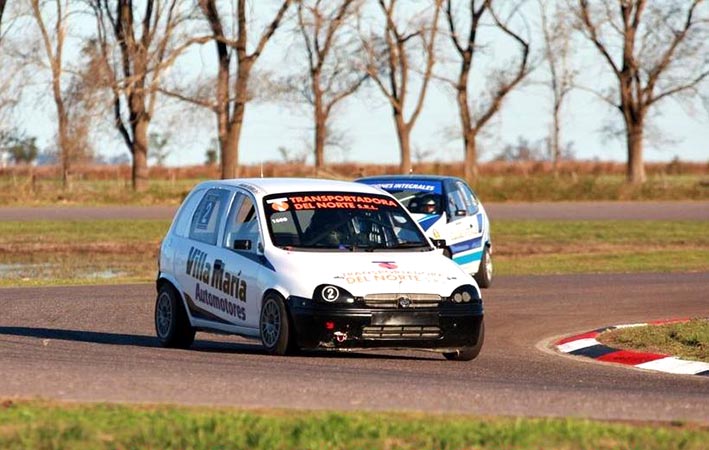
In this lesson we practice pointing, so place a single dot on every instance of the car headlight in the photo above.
(465, 294)
(329, 293)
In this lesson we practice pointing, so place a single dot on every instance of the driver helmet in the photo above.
(428, 205)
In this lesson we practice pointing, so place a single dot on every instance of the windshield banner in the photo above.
(330, 201)
(433, 187)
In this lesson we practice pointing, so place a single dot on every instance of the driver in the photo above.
(327, 227)
(428, 205)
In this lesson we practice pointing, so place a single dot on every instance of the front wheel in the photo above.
(275, 326)
(471, 352)
(172, 325)
(484, 275)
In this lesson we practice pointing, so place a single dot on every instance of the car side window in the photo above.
(242, 228)
(455, 204)
(182, 223)
(206, 218)
(470, 199)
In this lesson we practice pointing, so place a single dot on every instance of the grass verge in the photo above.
(45, 425)
(517, 182)
(688, 340)
(117, 251)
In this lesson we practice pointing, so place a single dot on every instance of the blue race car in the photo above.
(446, 208)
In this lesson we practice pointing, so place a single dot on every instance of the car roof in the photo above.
(265, 186)
(413, 176)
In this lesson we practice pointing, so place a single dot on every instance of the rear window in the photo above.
(418, 196)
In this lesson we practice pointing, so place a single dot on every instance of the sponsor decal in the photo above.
(216, 276)
(369, 276)
(250, 187)
(341, 202)
(409, 186)
(279, 204)
(218, 302)
(386, 264)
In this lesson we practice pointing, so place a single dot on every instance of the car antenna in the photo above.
(262, 168)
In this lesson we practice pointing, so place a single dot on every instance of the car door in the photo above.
(195, 256)
(242, 261)
(463, 234)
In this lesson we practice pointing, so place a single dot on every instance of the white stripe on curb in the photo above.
(576, 345)
(669, 364)
(675, 365)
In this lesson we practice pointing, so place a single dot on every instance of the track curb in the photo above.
(585, 344)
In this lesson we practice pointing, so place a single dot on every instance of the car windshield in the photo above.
(418, 196)
(351, 221)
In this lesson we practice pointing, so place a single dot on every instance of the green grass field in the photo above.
(43, 425)
(118, 251)
(685, 340)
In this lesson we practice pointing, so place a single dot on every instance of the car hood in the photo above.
(363, 273)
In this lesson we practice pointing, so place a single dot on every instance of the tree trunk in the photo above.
(471, 155)
(555, 151)
(403, 133)
(636, 168)
(230, 149)
(230, 152)
(320, 130)
(140, 154)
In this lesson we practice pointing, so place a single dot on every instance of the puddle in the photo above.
(29, 271)
(105, 274)
(19, 268)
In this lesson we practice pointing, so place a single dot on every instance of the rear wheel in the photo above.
(172, 325)
(275, 327)
(484, 275)
(471, 352)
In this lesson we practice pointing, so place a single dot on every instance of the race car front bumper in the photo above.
(447, 327)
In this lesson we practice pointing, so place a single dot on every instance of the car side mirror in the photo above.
(439, 243)
(242, 244)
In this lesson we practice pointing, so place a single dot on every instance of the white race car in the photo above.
(302, 264)
(447, 209)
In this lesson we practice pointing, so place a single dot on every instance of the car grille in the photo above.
(394, 300)
(401, 332)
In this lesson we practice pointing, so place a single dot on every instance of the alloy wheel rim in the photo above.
(164, 315)
(270, 323)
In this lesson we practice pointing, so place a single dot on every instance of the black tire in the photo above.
(172, 325)
(484, 275)
(471, 352)
(275, 326)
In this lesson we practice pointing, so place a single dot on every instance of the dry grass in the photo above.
(498, 181)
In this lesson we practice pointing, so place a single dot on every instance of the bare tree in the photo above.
(134, 64)
(557, 52)
(53, 40)
(332, 70)
(230, 103)
(501, 82)
(655, 51)
(390, 67)
(2, 12)
(10, 82)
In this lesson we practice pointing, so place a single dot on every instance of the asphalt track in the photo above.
(606, 210)
(97, 344)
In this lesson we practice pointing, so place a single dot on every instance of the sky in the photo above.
(367, 122)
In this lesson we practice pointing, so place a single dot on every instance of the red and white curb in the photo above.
(585, 344)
